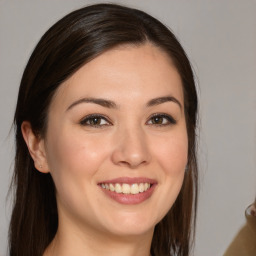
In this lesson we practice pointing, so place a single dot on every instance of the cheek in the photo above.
(74, 157)
(74, 160)
(171, 157)
(172, 154)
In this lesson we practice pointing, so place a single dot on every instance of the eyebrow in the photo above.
(101, 102)
(161, 100)
(111, 104)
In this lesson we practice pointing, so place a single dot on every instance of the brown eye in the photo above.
(95, 121)
(161, 119)
(157, 120)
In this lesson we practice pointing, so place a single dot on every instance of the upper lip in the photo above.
(129, 180)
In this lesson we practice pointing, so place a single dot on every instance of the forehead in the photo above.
(127, 71)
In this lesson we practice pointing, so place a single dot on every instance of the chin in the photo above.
(131, 225)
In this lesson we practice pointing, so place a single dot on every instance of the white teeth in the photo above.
(111, 187)
(147, 185)
(126, 189)
(118, 188)
(134, 189)
(141, 187)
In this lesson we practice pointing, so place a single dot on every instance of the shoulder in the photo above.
(244, 241)
(250, 215)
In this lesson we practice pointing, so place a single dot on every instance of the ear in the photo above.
(36, 147)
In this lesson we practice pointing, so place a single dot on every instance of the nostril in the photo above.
(131, 151)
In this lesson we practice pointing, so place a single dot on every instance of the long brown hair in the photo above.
(73, 41)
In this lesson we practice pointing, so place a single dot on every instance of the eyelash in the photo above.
(89, 118)
(169, 120)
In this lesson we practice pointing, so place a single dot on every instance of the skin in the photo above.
(128, 142)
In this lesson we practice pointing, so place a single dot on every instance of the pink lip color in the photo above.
(129, 198)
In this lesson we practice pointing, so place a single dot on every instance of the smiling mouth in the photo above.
(127, 189)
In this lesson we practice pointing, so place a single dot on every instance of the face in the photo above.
(116, 143)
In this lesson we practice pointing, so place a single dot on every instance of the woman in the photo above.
(105, 140)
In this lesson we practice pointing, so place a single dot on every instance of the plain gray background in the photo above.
(220, 39)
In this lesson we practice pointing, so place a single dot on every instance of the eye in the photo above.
(161, 119)
(95, 121)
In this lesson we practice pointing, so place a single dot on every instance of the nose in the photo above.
(131, 149)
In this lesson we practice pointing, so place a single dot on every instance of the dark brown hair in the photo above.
(73, 41)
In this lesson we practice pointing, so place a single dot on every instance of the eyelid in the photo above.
(171, 120)
(90, 116)
(168, 117)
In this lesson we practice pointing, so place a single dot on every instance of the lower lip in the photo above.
(130, 198)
